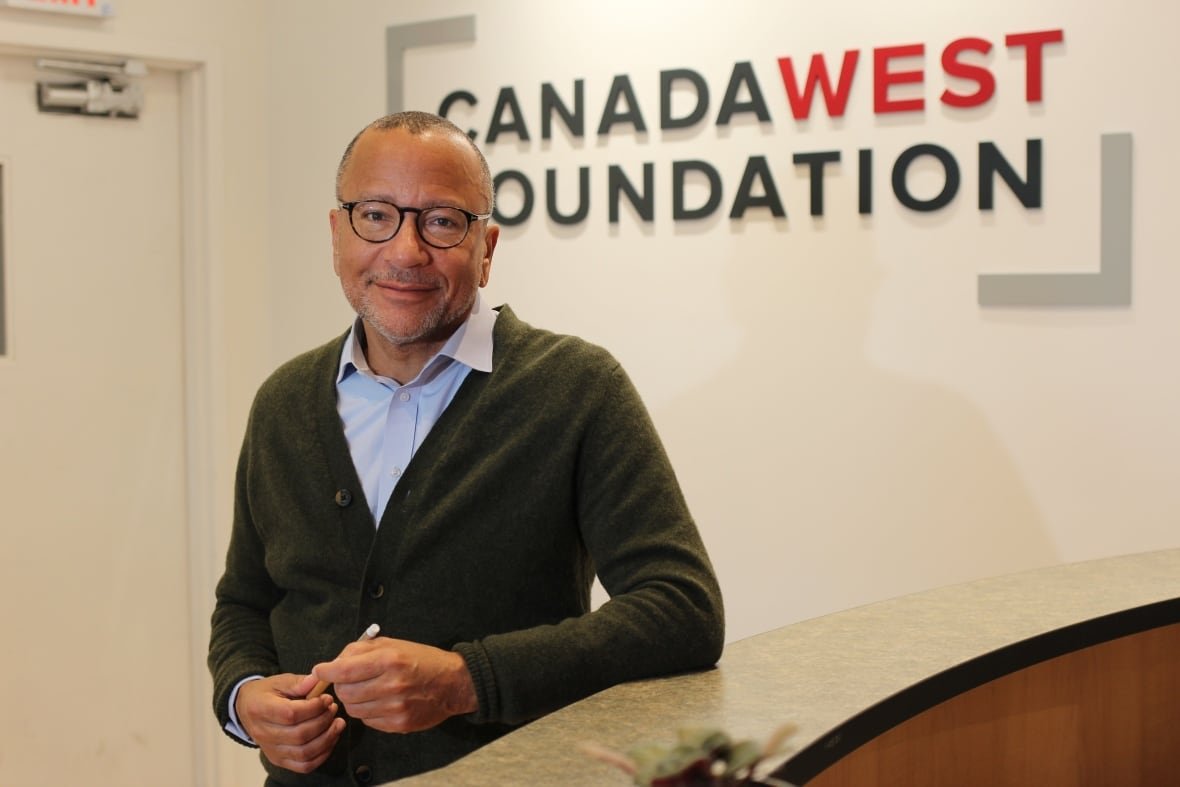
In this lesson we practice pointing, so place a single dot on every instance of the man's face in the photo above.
(404, 289)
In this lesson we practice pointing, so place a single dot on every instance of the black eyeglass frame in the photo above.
(401, 219)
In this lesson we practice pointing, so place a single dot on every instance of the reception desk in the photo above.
(1063, 675)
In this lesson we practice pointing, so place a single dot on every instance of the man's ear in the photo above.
(333, 217)
(490, 238)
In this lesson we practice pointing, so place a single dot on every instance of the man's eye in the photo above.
(444, 219)
(375, 215)
(440, 222)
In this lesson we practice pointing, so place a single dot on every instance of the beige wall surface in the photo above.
(223, 43)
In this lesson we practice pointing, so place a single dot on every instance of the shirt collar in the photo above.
(470, 344)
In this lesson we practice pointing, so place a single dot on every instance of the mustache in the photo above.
(414, 278)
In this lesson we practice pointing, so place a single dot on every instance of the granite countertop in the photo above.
(818, 673)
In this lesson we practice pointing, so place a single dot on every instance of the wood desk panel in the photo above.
(1108, 714)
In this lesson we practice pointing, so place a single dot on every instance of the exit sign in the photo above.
(77, 7)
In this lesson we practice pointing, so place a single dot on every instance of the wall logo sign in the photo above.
(816, 85)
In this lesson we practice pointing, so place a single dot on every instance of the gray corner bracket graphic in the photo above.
(1111, 285)
(399, 38)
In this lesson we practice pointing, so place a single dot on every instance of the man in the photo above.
(457, 477)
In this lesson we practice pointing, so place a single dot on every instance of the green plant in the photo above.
(701, 757)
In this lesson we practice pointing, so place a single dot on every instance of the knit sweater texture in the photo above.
(537, 476)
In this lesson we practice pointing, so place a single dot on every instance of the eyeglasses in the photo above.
(442, 227)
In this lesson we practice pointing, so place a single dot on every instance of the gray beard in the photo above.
(436, 325)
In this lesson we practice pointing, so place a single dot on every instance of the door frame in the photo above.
(201, 167)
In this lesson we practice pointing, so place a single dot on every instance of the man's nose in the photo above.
(407, 248)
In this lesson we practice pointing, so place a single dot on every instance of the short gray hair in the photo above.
(420, 123)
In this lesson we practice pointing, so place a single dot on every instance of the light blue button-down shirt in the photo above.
(385, 421)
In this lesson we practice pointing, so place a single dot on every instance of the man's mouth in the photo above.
(399, 285)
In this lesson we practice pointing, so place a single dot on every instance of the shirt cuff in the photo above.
(234, 727)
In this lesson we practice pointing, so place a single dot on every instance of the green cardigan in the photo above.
(538, 475)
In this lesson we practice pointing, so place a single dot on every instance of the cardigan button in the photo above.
(343, 497)
(377, 591)
(363, 774)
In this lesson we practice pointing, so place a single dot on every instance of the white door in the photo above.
(93, 566)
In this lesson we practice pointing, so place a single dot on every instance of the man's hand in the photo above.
(397, 686)
(294, 733)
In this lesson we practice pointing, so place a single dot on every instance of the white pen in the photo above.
(322, 686)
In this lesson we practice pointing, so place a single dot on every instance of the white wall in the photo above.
(847, 422)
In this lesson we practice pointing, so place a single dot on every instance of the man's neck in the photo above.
(399, 362)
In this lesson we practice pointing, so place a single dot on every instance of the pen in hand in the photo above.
(322, 686)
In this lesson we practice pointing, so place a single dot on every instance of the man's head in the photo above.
(410, 292)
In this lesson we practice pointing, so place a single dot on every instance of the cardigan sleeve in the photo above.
(665, 612)
(241, 643)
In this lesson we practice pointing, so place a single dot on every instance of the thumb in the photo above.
(303, 685)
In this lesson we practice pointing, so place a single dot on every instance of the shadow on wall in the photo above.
(820, 481)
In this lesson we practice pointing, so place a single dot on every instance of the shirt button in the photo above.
(396, 472)
(404, 396)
